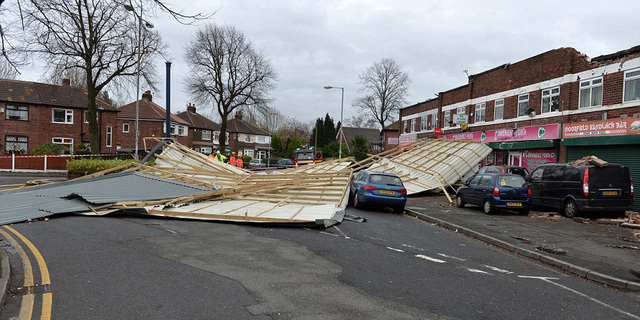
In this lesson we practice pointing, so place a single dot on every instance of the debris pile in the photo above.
(593, 160)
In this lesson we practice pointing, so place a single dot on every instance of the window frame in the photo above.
(589, 85)
(553, 94)
(206, 135)
(17, 141)
(627, 79)
(423, 123)
(495, 109)
(64, 142)
(413, 125)
(109, 136)
(447, 118)
(521, 101)
(480, 113)
(18, 110)
(128, 127)
(68, 116)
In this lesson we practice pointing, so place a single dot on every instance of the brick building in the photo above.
(554, 107)
(32, 113)
(151, 123)
(390, 136)
(204, 133)
(247, 139)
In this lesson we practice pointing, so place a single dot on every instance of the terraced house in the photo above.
(32, 113)
(557, 106)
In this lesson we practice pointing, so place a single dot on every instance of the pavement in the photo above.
(586, 247)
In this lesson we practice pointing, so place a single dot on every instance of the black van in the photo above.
(575, 189)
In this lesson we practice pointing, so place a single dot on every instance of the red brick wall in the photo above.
(147, 129)
(40, 127)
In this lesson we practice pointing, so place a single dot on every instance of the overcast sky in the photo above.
(314, 43)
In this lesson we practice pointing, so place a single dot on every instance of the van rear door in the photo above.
(610, 186)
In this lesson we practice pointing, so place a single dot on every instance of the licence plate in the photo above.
(609, 193)
(514, 204)
(387, 192)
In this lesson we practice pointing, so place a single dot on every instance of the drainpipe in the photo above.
(167, 123)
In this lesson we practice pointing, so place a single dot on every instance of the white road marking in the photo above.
(421, 256)
(171, 231)
(329, 234)
(412, 247)
(394, 249)
(496, 269)
(478, 271)
(342, 233)
(548, 280)
(451, 257)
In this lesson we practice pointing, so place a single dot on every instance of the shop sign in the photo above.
(602, 128)
(392, 141)
(546, 132)
(460, 118)
(437, 131)
(407, 138)
(533, 158)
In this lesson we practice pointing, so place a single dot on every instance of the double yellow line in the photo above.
(28, 300)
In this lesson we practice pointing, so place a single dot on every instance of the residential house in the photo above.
(557, 106)
(248, 139)
(32, 113)
(151, 123)
(372, 136)
(204, 132)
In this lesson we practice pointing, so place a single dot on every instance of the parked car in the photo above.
(256, 163)
(372, 187)
(494, 192)
(577, 189)
(522, 171)
(285, 163)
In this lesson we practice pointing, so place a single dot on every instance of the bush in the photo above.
(360, 146)
(78, 168)
(47, 149)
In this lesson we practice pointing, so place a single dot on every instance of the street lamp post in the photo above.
(341, 124)
(148, 25)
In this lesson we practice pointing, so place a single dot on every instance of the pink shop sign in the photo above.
(545, 132)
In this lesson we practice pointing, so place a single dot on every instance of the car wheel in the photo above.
(356, 202)
(570, 208)
(399, 209)
(350, 199)
(525, 212)
(459, 202)
(487, 207)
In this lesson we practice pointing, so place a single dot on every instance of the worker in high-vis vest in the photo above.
(219, 156)
(232, 159)
(239, 162)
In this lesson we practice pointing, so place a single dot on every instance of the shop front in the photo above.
(524, 147)
(615, 141)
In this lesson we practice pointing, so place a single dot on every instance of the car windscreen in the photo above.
(609, 175)
(305, 156)
(384, 179)
(511, 181)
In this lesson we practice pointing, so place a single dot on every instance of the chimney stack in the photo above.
(147, 96)
(66, 82)
(239, 114)
(191, 107)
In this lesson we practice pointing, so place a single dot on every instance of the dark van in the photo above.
(576, 189)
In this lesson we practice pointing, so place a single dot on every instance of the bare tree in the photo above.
(227, 72)
(361, 121)
(7, 71)
(385, 87)
(92, 36)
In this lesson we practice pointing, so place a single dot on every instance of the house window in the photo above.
(16, 144)
(481, 110)
(406, 126)
(66, 143)
(423, 123)
(498, 110)
(632, 85)
(591, 93)
(550, 100)
(247, 138)
(181, 131)
(63, 116)
(125, 127)
(17, 113)
(523, 104)
(262, 139)
(176, 128)
(434, 122)
(413, 125)
(206, 150)
(216, 136)
(461, 110)
(206, 134)
(262, 154)
(109, 135)
(447, 118)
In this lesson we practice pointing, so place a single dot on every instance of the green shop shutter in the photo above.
(626, 154)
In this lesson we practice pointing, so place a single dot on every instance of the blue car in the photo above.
(496, 192)
(380, 188)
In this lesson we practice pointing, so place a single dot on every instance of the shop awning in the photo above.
(521, 145)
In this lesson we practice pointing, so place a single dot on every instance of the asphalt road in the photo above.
(390, 267)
